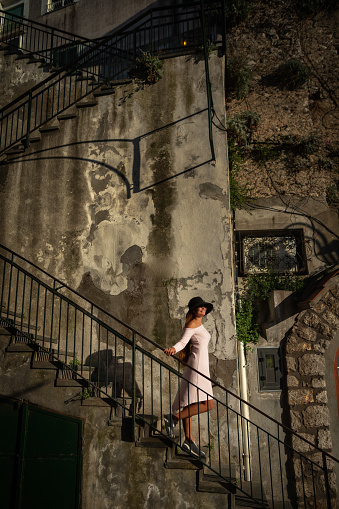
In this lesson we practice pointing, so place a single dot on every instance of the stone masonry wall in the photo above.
(306, 345)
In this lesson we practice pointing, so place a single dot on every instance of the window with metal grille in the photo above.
(271, 250)
(54, 5)
(269, 369)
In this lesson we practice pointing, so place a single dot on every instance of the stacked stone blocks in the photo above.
(306, 345)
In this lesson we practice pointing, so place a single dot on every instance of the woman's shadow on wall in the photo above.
(115, 375)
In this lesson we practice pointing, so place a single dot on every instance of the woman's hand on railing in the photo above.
(170, 351)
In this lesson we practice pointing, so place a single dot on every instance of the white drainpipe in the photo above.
(244, 409)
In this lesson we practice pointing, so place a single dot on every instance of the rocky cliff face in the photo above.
(294, 149)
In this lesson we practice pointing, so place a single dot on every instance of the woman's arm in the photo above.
(187, 334)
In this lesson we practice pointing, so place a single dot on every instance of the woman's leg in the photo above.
(191, 410)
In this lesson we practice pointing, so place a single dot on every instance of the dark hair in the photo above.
(185, 353)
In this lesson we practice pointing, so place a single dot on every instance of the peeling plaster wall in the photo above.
(124, 204)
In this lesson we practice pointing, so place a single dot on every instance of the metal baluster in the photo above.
(270, 464)
(82, 342)
(52, 316)
(133, 387)
(152, 411)
(115, 366)
(259, 459)
(3, 287)
(327, 485)
(90, 344)
(280, 466)
(44, 319)
(74, 336)
(37, 310)
(123, 375)
(16, 296)
(59, 331)
(302, 478)
(9, 287)
(107, 366)
(67, 325)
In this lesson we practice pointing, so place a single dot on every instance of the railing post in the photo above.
(133, 387)
(151, 31)
(208, 82)
(327, 486)
(29, 114)
(223, 26)
(52, 49)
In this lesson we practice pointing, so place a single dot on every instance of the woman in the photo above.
(195, 394)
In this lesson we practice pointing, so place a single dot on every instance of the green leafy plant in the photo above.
(237, 11)
(292, 74)
(242, 126)
(238, 76)
(74, 362)
(247, 327)
(332, 194)
(210, 47)
(211, 446)
(89, 392)
(148, 67)
(240, 196)
(256, 289)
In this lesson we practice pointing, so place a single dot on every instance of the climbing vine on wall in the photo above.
(256, 290)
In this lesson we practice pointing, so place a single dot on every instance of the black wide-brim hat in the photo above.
(197, 302)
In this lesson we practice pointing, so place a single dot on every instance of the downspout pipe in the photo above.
(244, 409)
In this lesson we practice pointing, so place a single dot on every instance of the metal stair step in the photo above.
(154, 442)
(103, 92)
(48, 128)
(213, 483)
(86, 104)
(12, 52)
(66, 116)
(23, 56)
(97, 402)
(17, 149)
(32, 139)
(187, 463)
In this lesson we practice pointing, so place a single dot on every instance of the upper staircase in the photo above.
(251, 461)
(82, 67)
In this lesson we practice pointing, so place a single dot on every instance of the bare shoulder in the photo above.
(193, 324)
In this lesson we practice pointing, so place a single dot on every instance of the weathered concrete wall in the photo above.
(125, 204)
(88, 18)
(16, 77)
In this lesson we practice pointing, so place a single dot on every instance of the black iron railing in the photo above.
(33, 39)
(162, 31)
(116, 361)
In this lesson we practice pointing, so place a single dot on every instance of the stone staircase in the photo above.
(148, 435)
(73, 112)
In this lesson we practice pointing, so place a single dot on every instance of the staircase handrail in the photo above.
(46, 26)
(102, 42)
(158, 346)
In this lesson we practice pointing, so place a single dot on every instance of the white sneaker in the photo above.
(170, 424)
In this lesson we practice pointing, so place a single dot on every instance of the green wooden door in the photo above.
(40, 457)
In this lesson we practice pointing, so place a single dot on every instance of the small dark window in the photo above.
(269, 370)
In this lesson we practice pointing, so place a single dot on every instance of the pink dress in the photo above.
(198, 388)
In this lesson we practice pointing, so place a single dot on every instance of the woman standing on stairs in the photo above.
(195, 395)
